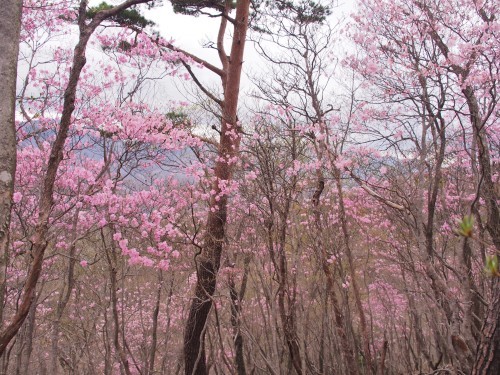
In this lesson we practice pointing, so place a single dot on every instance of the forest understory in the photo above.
(324, 199)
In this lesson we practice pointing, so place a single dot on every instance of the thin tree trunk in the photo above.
(154, 328)
(352, 270)
(288, 316)
(28, 339)
(488, 352)
(488, 349)
(108, 364)
(381, 365)
(236, 299)
(351, 364)
(112, 266)
(487, 359)
(321, 151)
(64, 297)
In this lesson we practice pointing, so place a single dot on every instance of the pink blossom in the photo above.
(17, 197)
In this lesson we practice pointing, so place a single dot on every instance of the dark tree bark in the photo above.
(487, 359)
(488, 349)
(236, 299)
(119, 345)
(154, 328)
(64, 297)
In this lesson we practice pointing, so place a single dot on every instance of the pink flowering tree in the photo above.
(47, 133)
(422, 65)
(343, 229)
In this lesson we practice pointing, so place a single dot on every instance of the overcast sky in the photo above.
(191, 33)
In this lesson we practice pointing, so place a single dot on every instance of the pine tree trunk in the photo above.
(208, 262)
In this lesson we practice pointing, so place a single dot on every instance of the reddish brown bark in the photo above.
(208, 262)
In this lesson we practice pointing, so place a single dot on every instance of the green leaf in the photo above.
(466, 226)
(194, 7)
(491, 267)
(127, 17)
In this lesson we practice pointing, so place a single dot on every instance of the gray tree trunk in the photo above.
(10, 28)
